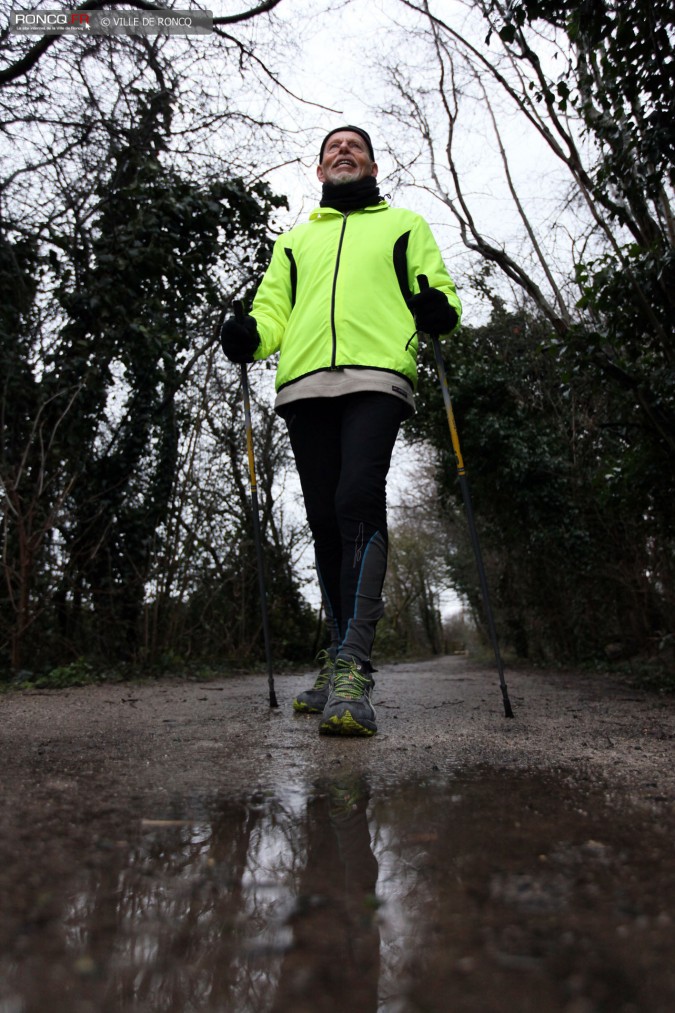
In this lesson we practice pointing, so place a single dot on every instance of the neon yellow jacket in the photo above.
(334, 292)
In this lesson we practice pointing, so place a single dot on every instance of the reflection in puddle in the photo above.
(483, 892)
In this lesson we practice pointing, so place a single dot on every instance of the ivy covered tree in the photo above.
(26, 517)
(573, 564)
(145, 272)
(90, 465)
(582, 413)
(124, 229)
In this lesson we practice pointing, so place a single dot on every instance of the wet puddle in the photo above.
(485, 891)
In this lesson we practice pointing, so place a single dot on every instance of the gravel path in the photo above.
(445, 714)
(179, 845)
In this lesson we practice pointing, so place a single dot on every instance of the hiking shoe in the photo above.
(348, 710)
(313, 701)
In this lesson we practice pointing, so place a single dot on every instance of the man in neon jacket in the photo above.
(341, 301)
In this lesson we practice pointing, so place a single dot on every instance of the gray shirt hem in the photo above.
(334, 383)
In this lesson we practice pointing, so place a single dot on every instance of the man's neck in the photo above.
(351, 196)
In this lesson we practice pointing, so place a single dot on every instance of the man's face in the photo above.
(345, 159)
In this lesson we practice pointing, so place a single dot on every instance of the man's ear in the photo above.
(320, 175)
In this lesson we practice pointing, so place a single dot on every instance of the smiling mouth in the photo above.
(345, 164)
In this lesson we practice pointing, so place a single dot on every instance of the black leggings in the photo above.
(342, 448)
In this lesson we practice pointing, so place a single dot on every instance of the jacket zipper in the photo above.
(332, 298)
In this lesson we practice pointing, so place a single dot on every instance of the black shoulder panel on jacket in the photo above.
(401, 264)
(294, 273)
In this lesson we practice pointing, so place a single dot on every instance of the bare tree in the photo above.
(525, 78)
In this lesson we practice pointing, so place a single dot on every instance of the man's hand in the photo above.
(239, 338)
(432, 311)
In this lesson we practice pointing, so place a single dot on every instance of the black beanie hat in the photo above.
(354, 130)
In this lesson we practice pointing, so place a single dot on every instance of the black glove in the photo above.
(432, 311)
(239, 338)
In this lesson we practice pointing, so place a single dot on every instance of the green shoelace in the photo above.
(349, 682)
(327, 668)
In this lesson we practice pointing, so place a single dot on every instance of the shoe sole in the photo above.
(345, 725)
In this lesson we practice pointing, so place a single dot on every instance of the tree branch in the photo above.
(263, 8)
(30, 59)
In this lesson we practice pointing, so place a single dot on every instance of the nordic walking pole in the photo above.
(257, 538)
(466, 496)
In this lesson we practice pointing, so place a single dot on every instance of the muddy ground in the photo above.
(179, 846)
